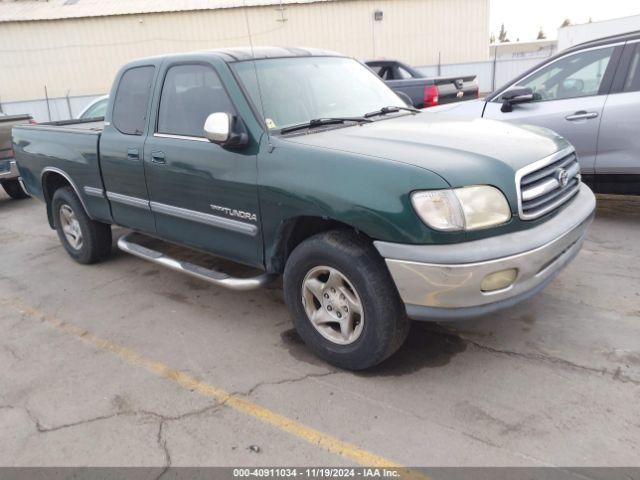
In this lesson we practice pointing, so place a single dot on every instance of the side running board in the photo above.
(211, 276)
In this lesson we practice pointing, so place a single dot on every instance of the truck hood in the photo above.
(463, 151)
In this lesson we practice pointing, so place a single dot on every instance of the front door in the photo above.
(569, 97)
(201, 194)
(619, 140)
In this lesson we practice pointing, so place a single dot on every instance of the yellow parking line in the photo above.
(240, 404)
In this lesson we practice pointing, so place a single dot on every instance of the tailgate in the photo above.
(6, 124)
(456, 89)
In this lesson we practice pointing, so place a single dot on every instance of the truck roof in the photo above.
(238, 54)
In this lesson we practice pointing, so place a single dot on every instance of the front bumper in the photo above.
(440, 282)
(8, 169)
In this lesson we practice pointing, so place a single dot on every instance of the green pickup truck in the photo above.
(304, 163)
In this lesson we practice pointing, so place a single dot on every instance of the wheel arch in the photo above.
(52, 179)
(293, 231)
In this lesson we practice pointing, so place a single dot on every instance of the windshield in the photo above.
(297, 90)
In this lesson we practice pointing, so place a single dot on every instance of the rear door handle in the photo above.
(157, 157)
(581, 115)
(133, 153)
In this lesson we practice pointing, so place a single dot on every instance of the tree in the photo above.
(566, 23)
(492, 38)
(541, 35)
(502, 35)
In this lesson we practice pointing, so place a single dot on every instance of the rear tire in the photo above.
(340, 281)
(85, 240)
(14, 189)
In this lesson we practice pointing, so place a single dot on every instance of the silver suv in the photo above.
(589, 94)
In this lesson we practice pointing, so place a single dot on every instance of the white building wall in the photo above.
(80, 56)
(575, 34)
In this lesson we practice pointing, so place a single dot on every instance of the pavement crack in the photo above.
(162, 443)
(616, 375)
(258, 385)
(172, 418)
(43, 429)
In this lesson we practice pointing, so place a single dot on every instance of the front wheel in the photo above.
(343, 301)
(14, 189)
(85, 240)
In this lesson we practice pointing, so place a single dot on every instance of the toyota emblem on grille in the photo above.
(562, 176)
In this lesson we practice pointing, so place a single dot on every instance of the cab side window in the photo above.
(386, 73)
(190, 94)
(403, 74)
(577, 75)
(132, 100)
(632, 82)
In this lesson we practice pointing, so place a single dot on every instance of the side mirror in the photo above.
(515, 96)
(226, 130)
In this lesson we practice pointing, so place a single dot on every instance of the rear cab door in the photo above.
(569, 97)
(202, 194)
(618, 159)
(122, 145)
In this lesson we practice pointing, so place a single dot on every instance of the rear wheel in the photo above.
(85, 240)
(343, 301)
(14, 189)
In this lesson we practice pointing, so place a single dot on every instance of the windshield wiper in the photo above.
(318, 122)
(392, 109)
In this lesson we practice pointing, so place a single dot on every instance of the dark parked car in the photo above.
(589, 94)
(422, 90)
(9, 176)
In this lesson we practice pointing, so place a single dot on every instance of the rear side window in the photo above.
(189, 95)
(632, 83)
(132, 100)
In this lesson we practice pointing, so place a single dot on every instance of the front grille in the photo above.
(545, 185)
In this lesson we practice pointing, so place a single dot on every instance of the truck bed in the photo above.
(65, 149)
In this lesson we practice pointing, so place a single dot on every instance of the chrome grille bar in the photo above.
(546, 184)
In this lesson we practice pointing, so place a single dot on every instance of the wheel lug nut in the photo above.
(339, 314)
(333, 290)
(326, 295)
(342, 297)
(345, 308)
(329, 307)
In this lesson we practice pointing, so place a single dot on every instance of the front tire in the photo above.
(343, 301)
(85, 240)
(14, 189)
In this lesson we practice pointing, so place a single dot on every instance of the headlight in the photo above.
(468, 208)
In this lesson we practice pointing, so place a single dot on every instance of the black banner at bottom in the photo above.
(314, 473)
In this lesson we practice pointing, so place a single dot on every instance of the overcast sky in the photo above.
(523, 18)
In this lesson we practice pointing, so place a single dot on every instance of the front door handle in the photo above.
(157, 157)
(581, 115)
(133, 153)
